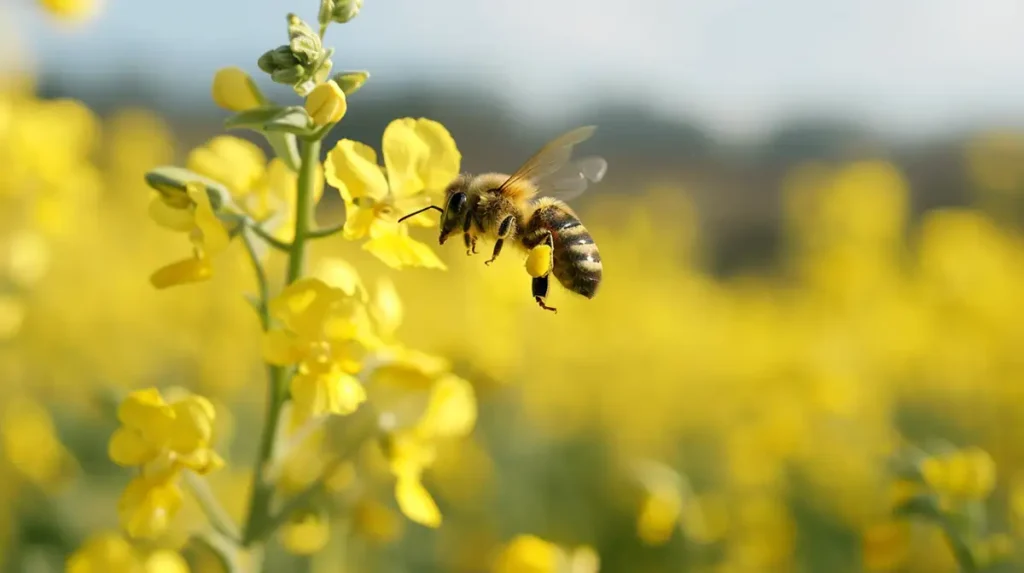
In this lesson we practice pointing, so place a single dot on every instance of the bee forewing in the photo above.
(572, 180)
(552, 158)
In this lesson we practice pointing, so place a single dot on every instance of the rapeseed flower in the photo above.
(109, 552)
(450, 413)
(162, 439)
(532, 554)
(192, 213)
(420, 160)
(261, 190)
(324, 332)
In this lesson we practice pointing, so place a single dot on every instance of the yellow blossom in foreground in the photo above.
(162, 439)
(531, 554)
(450, 413)
(326, 103)
(108, 552)
(421, 159)
(324, 332)
(234, 90)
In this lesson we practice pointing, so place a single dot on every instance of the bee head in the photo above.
(455, 209)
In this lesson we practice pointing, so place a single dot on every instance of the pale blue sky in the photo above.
(905, 66)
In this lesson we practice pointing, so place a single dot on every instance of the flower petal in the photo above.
(306, 534)
(146, 507)
(444, 158)
(415, 203)
(278, 348)
(191, 270)
(452, 409)
(215, 237)
(233, 161)
(398, 250)
(387, 307)
(181, 220)
(193, 424)
(146, 412)
(416, 503)
(128, 448)
(330, 393)
(352, 168)
(404, 152)
(358, 220)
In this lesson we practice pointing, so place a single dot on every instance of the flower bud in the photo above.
(326, 9)
(345, 10)
(290, 76)
(326, 103)
(350, 82)
(304, 43)
(234, 90)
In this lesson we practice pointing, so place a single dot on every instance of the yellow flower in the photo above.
(662, 504)
(264, 191)
(109, 552)
(71, 9)
(450, 412)
(306, 534)
(162, 439)
(193, 213)
(421, 159)
(326, 103)
(966, 474)
(234, 90)
(30, 442)
(323, 331)
(176, 433)
(105, 552)
(531, 554)
(148, 505)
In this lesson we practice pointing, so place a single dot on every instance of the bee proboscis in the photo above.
(528, 209)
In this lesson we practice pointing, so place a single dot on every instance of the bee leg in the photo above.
(504, 230)
(540, 291)
(468, 238)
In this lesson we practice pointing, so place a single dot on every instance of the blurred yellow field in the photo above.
(222, 352)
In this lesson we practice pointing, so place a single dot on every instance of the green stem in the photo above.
(263, 489)
(310, 154)
(270, 239)
(215, 514)
(304, 497)
(263, 289)
(326, 231)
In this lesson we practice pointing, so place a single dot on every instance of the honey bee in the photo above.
(528, 209)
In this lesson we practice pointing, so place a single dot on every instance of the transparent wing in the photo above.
(551, 158)
(573, 179)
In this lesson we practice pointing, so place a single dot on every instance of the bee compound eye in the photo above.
(457, 202)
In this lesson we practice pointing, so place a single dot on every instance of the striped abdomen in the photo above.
(577, 263)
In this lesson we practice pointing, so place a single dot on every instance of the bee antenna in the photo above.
(427, 208)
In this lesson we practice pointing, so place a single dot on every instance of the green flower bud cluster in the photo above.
(302, 63)
(339, 11)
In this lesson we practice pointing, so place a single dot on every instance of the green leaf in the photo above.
(285, 147)
(254, 118)
(170, 182)
(292, 119)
